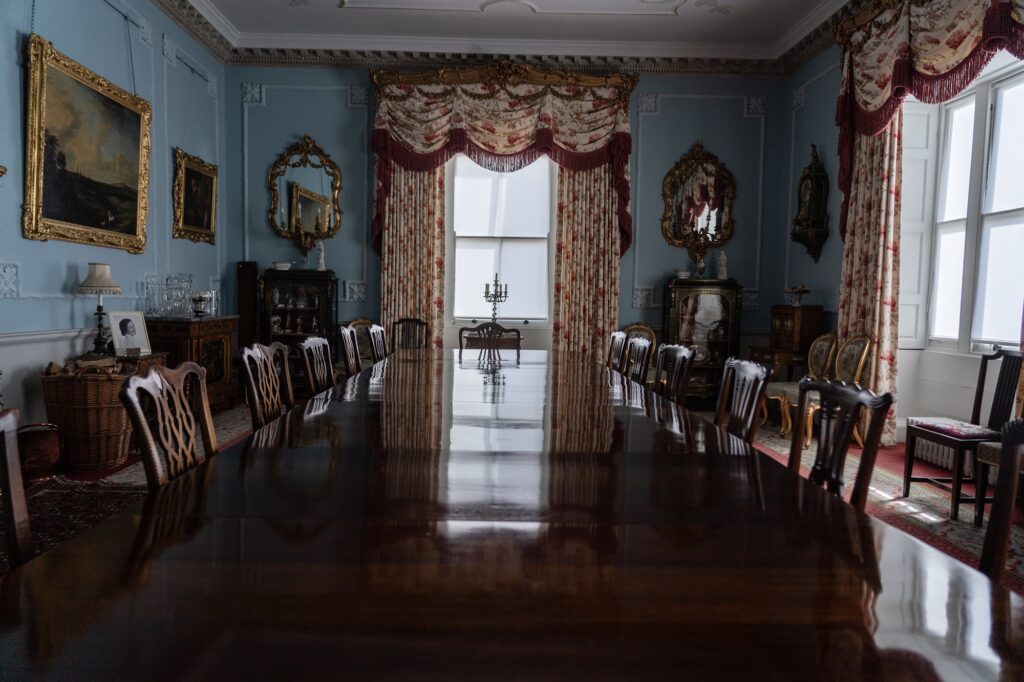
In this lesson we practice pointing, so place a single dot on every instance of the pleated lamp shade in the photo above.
(99, 281)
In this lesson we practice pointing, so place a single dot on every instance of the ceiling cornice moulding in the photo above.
(206, 24)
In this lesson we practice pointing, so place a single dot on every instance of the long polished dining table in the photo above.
(487, 518)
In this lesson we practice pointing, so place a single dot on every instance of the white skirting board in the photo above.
(24, 355)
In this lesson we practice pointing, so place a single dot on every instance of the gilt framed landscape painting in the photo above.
(87, 165)
(195, 198)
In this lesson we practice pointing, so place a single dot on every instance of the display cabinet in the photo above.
(297, 304)
(704, 314)
(794, 327)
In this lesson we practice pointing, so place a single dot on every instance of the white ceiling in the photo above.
(744, 29)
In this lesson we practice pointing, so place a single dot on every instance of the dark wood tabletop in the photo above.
(439, 519)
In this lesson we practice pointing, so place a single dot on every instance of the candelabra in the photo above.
(499, 295)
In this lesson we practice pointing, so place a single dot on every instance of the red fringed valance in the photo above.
(503, 117)
(932, 51)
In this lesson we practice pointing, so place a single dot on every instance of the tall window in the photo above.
(977, 287)
(502, 226)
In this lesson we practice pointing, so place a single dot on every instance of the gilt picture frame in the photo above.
(195, 198)
(306, 206)
(87, 148)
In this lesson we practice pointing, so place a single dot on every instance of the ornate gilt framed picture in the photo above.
(310, 212)
(195, 198)
(87, 165)
(810, 226)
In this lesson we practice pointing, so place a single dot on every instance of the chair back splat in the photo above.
(638, 353)
(409, 332)
(180, 409)
(997, 537)
(740, 397)
(841, 407)
(378, 343)
(268, 382)
(316, 356)
(1006, 387)
(350, 348)
(672, 369)
(616, 350)
(12, 489)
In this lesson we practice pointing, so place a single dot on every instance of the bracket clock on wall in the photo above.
(810, 226)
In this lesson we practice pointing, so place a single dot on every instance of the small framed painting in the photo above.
(195, 198)
(128, 330)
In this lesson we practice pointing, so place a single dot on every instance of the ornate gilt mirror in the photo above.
(810, 226)
(699, 194)
(305, 188)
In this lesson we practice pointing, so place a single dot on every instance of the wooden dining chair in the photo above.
(639, 330)
(841, 406)
(997, 537)
(638, 352)
(409, 332)
(350, 350)
(491, 336)
(616, 350)
(12, 492)
(740, 397)
(672, 368)
(180, 404)
(963, 438)
(378, 343)
(268, 383)
(316, 356)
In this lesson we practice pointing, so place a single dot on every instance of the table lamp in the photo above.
(99, 282)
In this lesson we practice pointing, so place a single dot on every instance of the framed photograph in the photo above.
(128, 330)
(195, 198)
(310, 211)
(87, 165)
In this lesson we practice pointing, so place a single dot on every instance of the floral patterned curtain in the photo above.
(932, 50)
(412, 253)
(586, 261)
(503, 117)
(871, 261)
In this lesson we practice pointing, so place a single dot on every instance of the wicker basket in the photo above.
(94, 423)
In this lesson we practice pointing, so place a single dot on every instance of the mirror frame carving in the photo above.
(304, 152)
(697, 242)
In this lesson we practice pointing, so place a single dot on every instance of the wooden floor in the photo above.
(449, 520)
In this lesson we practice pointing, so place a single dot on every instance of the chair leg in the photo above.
(908, 463)
(981, 487)
(958, 483)
(856, 436)
(784, 423)
(809, 428)
(764, 412)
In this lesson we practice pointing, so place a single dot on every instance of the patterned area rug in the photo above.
(924, 515)
(63, 506)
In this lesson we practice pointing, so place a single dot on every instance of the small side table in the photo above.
(777, 358)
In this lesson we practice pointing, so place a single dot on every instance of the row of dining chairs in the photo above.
(742, 395)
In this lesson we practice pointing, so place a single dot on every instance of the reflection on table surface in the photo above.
(532, 519)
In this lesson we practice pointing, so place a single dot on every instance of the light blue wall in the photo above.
(751, 124)
(273, 110)
(810, 99)
(96, 34)
(739, 120)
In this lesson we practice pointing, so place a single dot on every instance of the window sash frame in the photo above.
(983, 93)
(450, 320)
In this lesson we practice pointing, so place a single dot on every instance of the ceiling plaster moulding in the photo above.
(540, 48)
(605, 7)
(199, 26)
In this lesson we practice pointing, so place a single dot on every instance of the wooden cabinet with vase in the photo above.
(704, 314)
